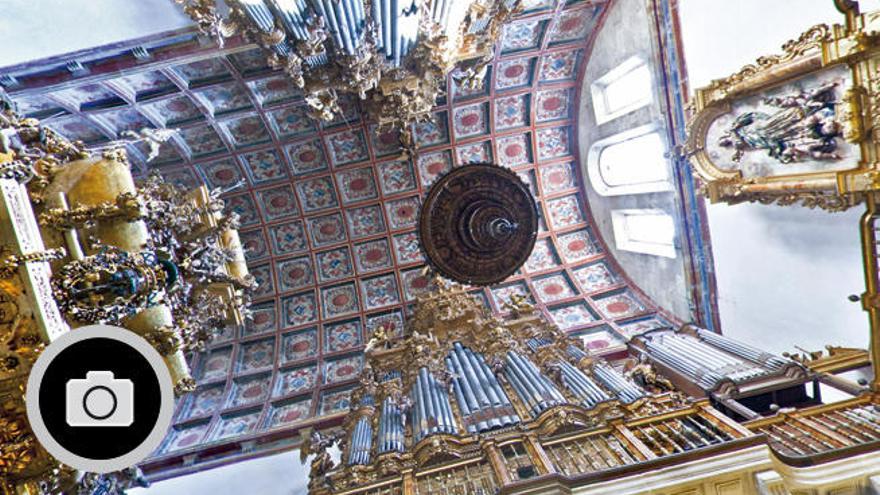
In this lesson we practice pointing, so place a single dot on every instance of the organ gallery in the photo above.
(463, 247)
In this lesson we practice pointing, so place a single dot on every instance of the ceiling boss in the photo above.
(393, 55)
(478, 224)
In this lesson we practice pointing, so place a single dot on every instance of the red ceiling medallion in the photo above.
(478, 224)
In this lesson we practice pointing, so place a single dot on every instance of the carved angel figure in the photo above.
(803, 125)
(644, 375)
(473, 73)
(519, 305)
(314, 45)
(554, 371)
(323, 105)
(153, 138)
(317, 444)
(379, 340)
(498, 366)
(444, 377)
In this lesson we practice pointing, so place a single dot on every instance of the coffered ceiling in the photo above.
(328, 211)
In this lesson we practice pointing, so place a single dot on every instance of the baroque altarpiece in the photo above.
(83, 244)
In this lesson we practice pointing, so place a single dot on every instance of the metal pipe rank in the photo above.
(744, 351)
(583, 386)
(482, 400)
(625, 390)
(703, 376)
(390, 428)
(532, 386)
(432, 403)
(361, 442)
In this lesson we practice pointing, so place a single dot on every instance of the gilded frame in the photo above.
(854, 45)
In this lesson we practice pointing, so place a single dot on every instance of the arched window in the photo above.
(623, 89)
(631, 162)
(648, 231)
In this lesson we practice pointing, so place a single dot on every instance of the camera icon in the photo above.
(99, 400)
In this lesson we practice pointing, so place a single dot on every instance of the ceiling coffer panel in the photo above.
(329, 210)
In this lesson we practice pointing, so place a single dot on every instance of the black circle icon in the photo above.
(68, 383)
(100, 398)
(89, 407)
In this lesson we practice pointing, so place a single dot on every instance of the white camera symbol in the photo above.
(99, 400)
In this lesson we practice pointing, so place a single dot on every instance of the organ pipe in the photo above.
(625, 390)
(521, 390)
(482, 400)
(391, 428)
(697, 351)
(260, 14)
(395, 31)
(361, 442)
(582, 385)
(433, 405)
(709, 358)
(463, 384)
(386, 26)
(743, 350)
(292, 16)
(493, 382)
(376, 10)
(576, 352)
(342, 25)
(324, 8)
(701, 375)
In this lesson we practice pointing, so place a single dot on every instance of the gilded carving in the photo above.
(316, 444)
(794, 128)
(9, 262)
(800, 124)
(126, 207)
(18, 446)
(112, 285)
(395, 95)
(478, 224)
(646, 376)
(179, 277)
(809, 41)
(441, 317)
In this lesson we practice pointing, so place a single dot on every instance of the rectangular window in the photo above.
(630, 162)
(644, 231)
(639, 160)
(623, 89)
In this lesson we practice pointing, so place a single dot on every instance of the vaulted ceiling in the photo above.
(328, 211)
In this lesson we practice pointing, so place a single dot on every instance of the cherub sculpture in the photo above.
(554, 371)
(367, 380)
(379, 340)
(444, 377)
(519, 305)
(323, 104)
(644, 375)
(314, 45)
(473, 73)
(317, 444)
(404, 404)
(497, 365)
